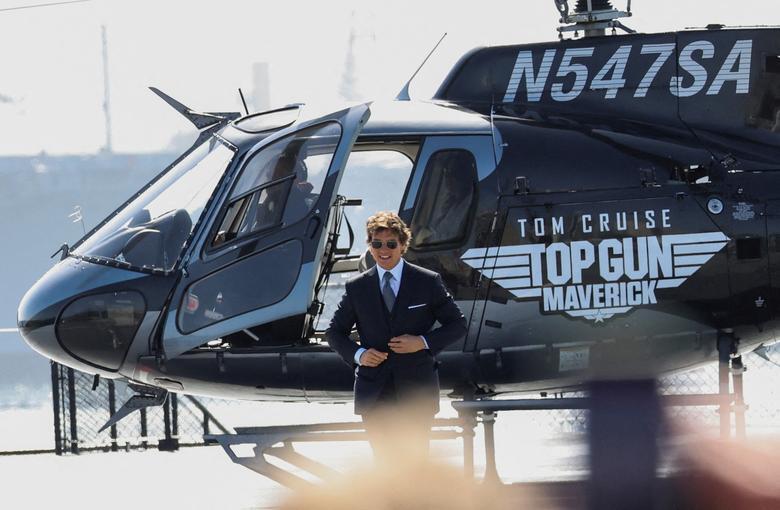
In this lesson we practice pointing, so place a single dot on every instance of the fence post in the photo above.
(491, 471)
(175, 414)
(111, 412)
(737, 369)
(725, 348)
(144, 431)
(74, 433)
(169, 444)
(55, 400)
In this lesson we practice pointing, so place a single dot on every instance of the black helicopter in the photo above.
(607, 204)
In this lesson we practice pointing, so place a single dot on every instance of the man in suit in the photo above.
(394, 305)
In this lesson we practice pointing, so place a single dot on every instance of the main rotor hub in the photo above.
(592, 17)
(595, 5)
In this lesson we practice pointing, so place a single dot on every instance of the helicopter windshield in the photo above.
(150, 231)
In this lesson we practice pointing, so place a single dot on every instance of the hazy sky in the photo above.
(200, 52)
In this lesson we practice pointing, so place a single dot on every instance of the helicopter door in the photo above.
(251, 276)
(773, 255)
(441, 209)
(751, 273)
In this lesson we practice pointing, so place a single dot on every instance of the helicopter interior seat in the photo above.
(267, 207)
(287, 201)
(366, 261)
(157, 243)
(175, 234)
(144, 248)
(447, 195)
(231, 224)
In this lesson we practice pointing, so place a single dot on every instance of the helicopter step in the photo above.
(613, 405)
(267, 439)
(146, 396)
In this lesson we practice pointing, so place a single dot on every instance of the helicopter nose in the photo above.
(76, 315)
(33, 327)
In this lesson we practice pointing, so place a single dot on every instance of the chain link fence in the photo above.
(83, 404)
(81, 407)
(761, 392)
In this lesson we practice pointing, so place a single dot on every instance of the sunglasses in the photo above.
(392, 244)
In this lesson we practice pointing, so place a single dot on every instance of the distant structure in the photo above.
(348, 88)
(106, 93)
(261, 95)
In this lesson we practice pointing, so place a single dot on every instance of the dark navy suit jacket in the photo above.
(422, 300)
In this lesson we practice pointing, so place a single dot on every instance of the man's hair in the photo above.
(388, 220)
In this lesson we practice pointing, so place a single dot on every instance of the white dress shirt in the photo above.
(395, 284)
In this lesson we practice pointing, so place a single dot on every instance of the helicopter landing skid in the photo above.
(643, 401)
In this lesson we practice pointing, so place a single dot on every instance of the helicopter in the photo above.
(603, 205)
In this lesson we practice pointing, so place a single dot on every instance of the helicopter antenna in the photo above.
(50, 4)
(593, 17)
(497, 145)
(77, 217)
(404, 94)
(200, 120)
(240, 93)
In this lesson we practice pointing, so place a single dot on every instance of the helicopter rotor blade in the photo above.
(50, 4)
(200, 120)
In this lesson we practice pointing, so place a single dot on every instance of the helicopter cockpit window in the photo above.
(151, 231)
(280, 184)
(445, 200)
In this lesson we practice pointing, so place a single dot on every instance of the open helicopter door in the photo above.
(251, 275)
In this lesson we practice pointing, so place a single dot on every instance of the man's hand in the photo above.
(372, 358)
(406, 344)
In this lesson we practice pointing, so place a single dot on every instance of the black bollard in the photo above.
(624, 424)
